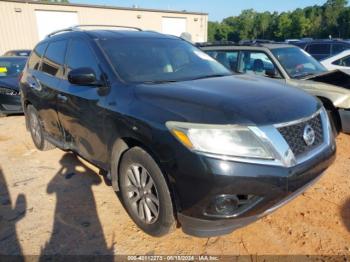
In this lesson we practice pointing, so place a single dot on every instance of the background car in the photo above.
(21, 52)
(340, 61)
(294, 66)
(321, 49)
(10, 69)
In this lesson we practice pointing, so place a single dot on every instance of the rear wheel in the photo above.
(36, 130)
(145, 193)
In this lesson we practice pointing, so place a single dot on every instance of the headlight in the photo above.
(237, 141)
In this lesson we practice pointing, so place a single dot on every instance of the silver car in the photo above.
(293, 66)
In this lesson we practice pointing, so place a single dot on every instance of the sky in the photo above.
(217, 9)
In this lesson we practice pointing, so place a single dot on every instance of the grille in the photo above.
(293, 134)
(7, 91)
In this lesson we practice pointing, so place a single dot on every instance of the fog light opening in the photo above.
(226, 205)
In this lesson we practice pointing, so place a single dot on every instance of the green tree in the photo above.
(332, 18)
(314, 16)
(262, 22)
(332, 10)
(212, 27)
(300, 24)
(284, 23)
(344, 23)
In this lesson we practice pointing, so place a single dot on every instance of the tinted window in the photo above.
(11, 67)
(343, 62)
(324, 49)
(255, 63)
(154, 60)
(300, 44)
(54, 58)
(35, 57)
(337, 48)
(81, 55)
(227, 58)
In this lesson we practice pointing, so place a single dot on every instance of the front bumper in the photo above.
(345, 120)
(273, 184)
(10, 104)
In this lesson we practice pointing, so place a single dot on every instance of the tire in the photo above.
(36, 130)
(142, 186)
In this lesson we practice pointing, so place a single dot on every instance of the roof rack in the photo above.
(79, 28)
(256, 42)
(221, 43)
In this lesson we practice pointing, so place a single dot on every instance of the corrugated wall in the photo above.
(18, 29)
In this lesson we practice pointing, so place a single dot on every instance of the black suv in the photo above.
(181, 138)
(322, 49)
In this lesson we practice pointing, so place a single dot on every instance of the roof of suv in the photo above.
(125, 34)
(109, 33)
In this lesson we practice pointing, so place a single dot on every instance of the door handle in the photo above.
(62, 98)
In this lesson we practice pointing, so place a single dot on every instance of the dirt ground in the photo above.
(53, 203)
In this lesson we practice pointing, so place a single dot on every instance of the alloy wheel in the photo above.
(142, 194)
(35, 127)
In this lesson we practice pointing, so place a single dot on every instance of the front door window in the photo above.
(257, 63)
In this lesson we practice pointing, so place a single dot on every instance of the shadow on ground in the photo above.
(345, 214)
(77, 229)
(9, 216)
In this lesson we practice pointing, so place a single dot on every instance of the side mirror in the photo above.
(83, 76)
(272, 73)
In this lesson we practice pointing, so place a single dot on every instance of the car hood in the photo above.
(240, 99)
(336, 77)
(324, 85)
(9, 82)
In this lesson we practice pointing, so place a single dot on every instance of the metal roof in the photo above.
(105, 7)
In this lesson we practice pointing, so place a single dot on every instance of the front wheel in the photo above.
(145, 193)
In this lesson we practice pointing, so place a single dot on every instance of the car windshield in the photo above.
(297, 62)
(156, 60)
(11, 67)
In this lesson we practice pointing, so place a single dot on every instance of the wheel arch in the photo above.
(120, 147)
(328, 104)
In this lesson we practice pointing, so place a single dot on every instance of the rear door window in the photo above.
(53, 59)
(337, 48)
(343, 62)
(36, 55)
(319, 49)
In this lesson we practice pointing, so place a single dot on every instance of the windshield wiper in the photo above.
(303, 75)
(210, 76)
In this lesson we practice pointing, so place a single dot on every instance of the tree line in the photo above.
(330, 19)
